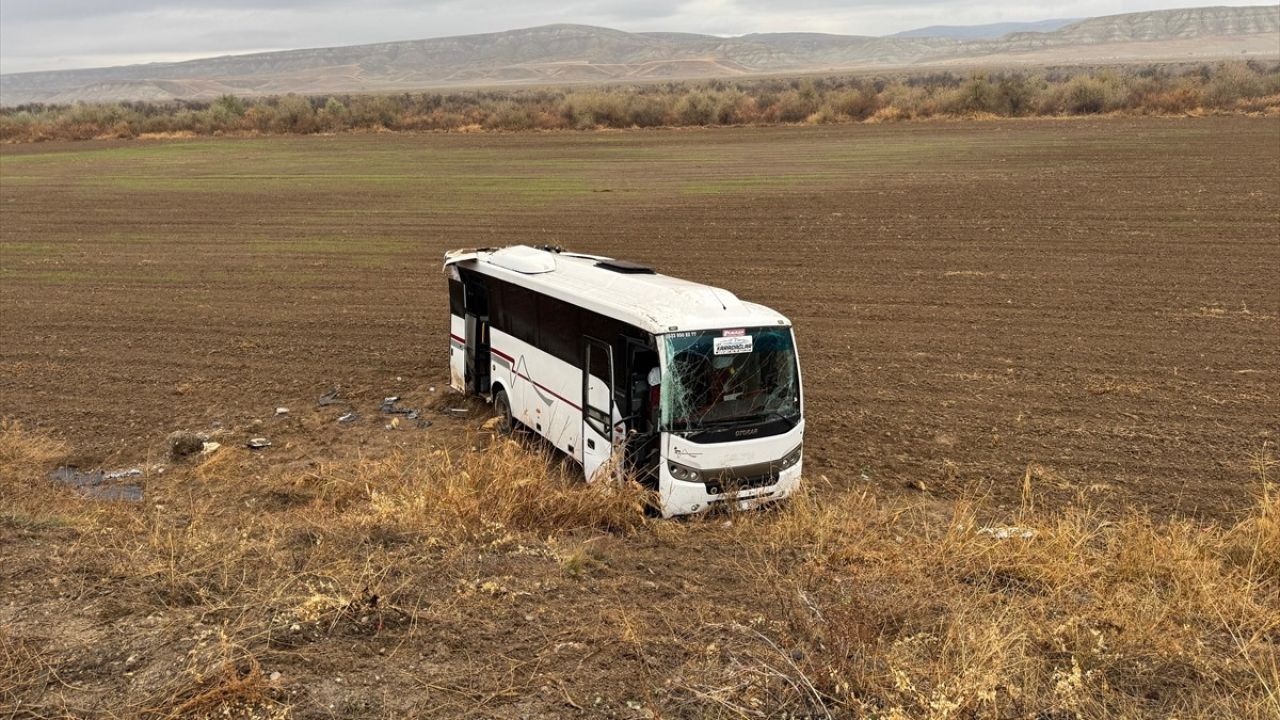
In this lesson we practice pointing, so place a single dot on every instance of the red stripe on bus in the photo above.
(555, 394)
(455, 337)
(535, 383)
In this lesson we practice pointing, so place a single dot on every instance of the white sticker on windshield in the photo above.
(733, 345)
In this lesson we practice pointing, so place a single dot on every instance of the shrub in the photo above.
(510, 116)
(795, 107)
(858, 104)
(646, 111)
(1085, 95)
(1231, 83)
(696, 108)
(294, 114)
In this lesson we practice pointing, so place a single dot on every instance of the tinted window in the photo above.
(456, 304)
(520, 313)
(558, 329)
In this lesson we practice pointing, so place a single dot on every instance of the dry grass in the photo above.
(915, 615)
(472, 581)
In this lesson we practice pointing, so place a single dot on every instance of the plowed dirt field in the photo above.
(1089, 304)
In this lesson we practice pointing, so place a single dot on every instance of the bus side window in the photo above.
(457, 306)
(559, 330)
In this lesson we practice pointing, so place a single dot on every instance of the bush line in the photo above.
(1234, 87)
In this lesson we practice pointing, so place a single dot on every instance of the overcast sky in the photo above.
(55, 34)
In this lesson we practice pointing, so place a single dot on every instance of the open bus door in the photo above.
(597, 407)
(477, 358)
(476, 334)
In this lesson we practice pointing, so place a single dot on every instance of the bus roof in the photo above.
(626, 291)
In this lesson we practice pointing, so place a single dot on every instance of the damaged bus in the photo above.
(682, 386)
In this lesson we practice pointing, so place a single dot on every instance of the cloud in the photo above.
(52, 34)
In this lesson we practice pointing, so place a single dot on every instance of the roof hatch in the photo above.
(626, 267)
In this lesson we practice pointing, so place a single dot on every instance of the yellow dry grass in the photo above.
(844, 604)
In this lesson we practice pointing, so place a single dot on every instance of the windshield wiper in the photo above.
(756, 419)
(791, 420)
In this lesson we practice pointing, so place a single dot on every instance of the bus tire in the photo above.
(502, 405)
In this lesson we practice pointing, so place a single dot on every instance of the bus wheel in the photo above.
(506, 423)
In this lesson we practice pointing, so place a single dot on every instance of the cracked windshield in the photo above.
(726, 377)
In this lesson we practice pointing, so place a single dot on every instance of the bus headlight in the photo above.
(793, 457)
(687, 474)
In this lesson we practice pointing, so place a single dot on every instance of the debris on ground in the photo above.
(95, 485)
(458, 411)
(331, 398)
(183, 443)
(390, 408)
(348, 418)
(1005, 533)
(258, 443)
(210, 447)
(491, 423)
(282, 411)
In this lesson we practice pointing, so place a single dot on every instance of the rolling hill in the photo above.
(985, 32)
(580, 53)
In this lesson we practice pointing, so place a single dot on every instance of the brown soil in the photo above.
(1089, 304)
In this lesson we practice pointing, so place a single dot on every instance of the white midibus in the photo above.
(683, 386)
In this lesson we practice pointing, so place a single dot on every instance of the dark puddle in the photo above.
(101, 485)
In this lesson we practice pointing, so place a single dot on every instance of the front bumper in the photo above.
(680, 497)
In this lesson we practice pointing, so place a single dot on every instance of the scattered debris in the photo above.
(71, 475)
(210, 448)
(331, 398)
(423, 423)
(1004, 533)
(282, 411)
(431, 389)
(183, 443)
(458, 411)
(389, 407)
(258, 443)
(491, 423)
(94, 484)
(348, 417)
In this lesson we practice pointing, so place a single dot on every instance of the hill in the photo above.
(580, 53)
(985, 32)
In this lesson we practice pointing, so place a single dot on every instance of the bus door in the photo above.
(597, 407)
(477, 368)
(476, 333)
(642, 455)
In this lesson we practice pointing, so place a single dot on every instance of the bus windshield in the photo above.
(729, 377)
